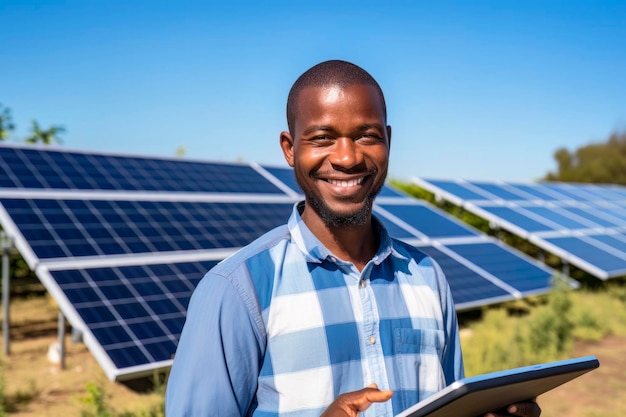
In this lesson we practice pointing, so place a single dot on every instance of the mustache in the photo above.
(330, 173)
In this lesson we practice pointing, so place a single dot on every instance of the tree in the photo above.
(593, 163)
(46, 137)
(181, 151)
(6, 125)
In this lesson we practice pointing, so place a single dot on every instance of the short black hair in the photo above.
(327, 73)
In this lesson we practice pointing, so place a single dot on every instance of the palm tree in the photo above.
(46, 137)
(6, 125)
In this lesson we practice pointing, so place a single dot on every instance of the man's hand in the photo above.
(351, 404)
(523, 409)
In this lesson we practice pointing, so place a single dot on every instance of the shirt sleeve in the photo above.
(452, 358)
(217, 362)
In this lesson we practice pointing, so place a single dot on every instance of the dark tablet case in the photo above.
(475, 396)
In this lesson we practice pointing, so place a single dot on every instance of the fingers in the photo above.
(362, 399)
(352, 403)
(374, 395)
(525, 409)
(521, 409)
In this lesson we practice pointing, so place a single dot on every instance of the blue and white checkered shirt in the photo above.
(282, 327)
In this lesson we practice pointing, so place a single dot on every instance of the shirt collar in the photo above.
(314, 251)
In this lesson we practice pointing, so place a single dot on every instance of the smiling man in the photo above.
(338, 145)
(326, 315)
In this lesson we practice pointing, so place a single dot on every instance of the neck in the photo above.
(356, 244)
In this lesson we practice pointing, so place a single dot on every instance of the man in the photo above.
(326, 315)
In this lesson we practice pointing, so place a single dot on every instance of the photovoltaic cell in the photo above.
(615, 241)
(458, 189)
(504, 264)
(577, 222)
(466, 285)
(428, 221)
(534, 192)
(589, 252)
(518, 219)
(394, 229)
(595, 216)
(498, 191)
(555, 215)
(286, 176)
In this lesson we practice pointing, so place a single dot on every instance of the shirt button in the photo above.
(372, 340)
(362, 283)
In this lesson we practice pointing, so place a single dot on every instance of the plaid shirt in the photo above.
(283, 327)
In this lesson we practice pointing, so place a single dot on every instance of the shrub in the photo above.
(501, 340)
(97, 401)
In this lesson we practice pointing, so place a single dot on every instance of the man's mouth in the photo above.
(346, 183)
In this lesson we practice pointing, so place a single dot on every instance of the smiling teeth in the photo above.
(350, 183)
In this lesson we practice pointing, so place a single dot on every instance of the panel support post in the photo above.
(61, 340)
(5, 246)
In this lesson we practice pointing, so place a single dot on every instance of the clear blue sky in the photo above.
(475, 89)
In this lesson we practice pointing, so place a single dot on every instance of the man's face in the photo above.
(339, 151)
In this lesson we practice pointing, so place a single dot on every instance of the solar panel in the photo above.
(76, 228)
(134, 313)
(121, 241)
(581, 223)
(37, 168)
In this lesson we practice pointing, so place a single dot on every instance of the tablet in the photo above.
(477, 395)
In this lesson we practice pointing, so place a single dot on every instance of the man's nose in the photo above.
(346, 153)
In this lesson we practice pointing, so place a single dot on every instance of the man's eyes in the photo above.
(365, 136)
(323, 137)
(371, 137)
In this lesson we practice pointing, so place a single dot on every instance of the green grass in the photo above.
(546, 331)
(11, 403)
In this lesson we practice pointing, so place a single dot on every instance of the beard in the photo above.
(359, 217)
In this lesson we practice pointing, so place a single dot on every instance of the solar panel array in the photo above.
(121, 241)
(583, 224)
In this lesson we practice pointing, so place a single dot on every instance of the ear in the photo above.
(388, 137)
(286, 144)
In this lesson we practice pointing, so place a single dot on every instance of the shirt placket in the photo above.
(374, 359)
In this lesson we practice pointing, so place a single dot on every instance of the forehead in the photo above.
(355, 100)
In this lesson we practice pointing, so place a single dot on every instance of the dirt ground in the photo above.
(600, 393)
(56, 392)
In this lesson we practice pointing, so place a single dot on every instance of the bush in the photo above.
(502, 341)
(492, 343)
(550, 329)
(97, 401)
(599, 313)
